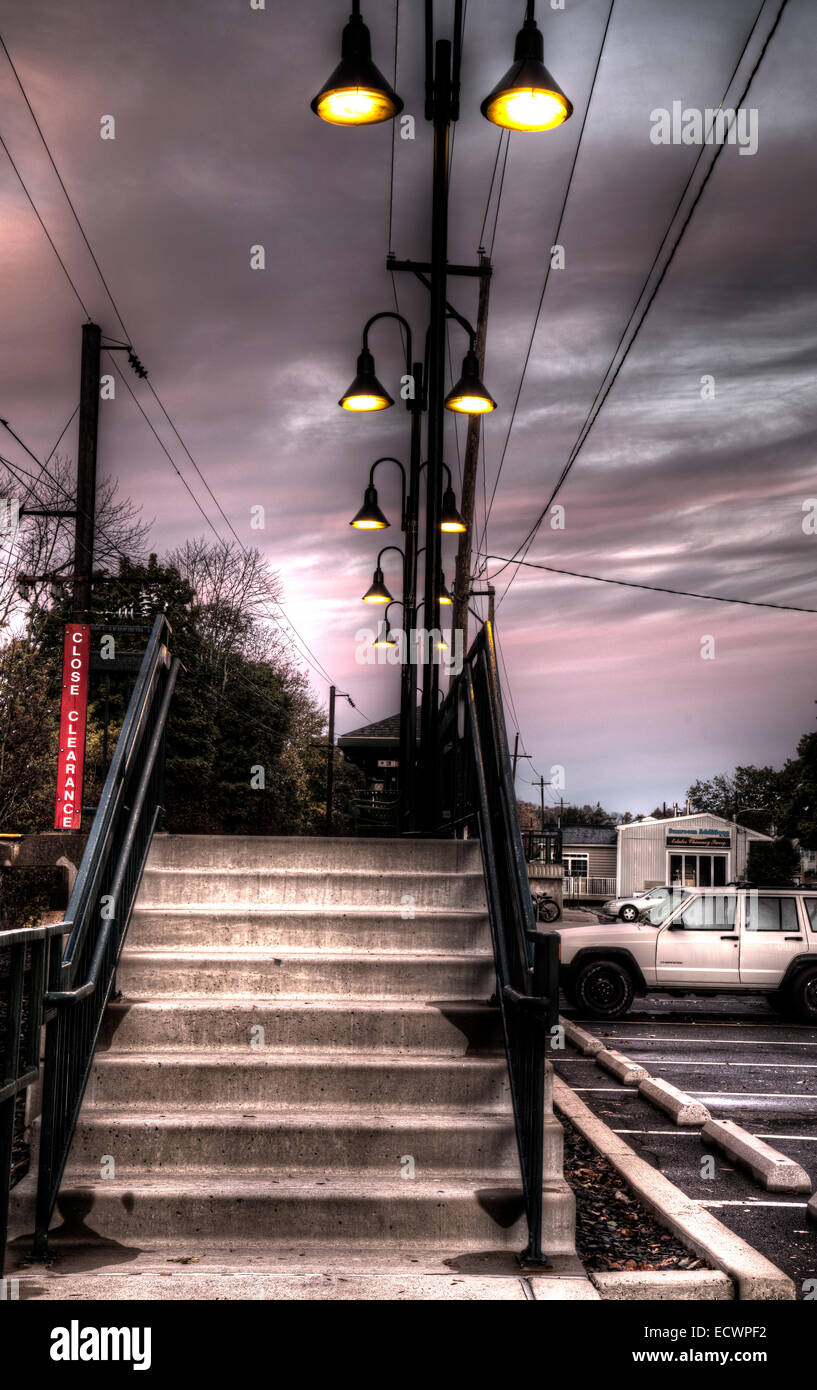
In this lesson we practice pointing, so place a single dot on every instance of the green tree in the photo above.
(774, 863)
(798, 812)
(587, 815)
(731, 793)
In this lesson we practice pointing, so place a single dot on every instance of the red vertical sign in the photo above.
(75, 660)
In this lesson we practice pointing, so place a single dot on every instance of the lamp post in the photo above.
(526, 98)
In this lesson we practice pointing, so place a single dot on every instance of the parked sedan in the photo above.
(628, 909)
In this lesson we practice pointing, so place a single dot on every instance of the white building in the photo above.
(702, 851)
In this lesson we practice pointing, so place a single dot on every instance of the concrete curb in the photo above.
(581, 1039)
(693, 1285)
(627, 1072)
(772, 1169)
(547, 1288)
(677, 1104)
(754, 1275)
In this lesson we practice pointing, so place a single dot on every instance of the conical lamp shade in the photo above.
(527, 97)
(357, 93)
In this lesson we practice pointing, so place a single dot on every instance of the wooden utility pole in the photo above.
(330, 762)
(86, 473)
(459, 617)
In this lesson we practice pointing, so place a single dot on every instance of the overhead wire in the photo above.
(614, 368)
(553, 242)
(307, 654)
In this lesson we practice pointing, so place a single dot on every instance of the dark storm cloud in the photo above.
(217, 150)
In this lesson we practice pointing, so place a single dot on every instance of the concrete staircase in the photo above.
(303, 1060)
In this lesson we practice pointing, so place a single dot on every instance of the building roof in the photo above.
(708, 817)
(588, 835)
(382, 731)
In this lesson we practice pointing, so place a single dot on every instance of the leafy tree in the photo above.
(587, 815)
(774, 863)
(731, 793)
(798, 812)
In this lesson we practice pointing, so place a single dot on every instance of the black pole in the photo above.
(86, 472)
(408, 689)
(429, 738)
(515, 754)
(542, 800)
(330, 762)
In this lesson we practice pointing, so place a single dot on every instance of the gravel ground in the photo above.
(613, 1230)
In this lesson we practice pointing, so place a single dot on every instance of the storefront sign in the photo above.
(68, 812)
(700, 836)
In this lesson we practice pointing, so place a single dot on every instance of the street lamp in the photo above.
(365, 392)
(527, 97)
(370, 517)
(469, 396)
(357, 93)
(450, 520)
(377, 591)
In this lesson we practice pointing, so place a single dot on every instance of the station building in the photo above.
(695, 851)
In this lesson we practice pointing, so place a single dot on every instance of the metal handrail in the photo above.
(81, 980)
(478, 791)
(28, 950)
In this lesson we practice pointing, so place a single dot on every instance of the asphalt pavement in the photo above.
(745, 1064)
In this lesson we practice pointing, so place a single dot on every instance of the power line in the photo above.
(554, 241)
(312, 659)
(660, 588)
(606, 386)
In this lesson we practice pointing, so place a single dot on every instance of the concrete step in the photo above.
(270, 1080)
(277, 1145)
(317, 854)
(356, 1213)
(399, 892)
(362, 929)
(287, 971)
(331, 1026)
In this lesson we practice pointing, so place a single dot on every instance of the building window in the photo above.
(576, 865)
(698, 870)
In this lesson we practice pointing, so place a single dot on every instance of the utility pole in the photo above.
(330, 762)
(86, 472)
(515, 753)
(542, 800)
(470, 469)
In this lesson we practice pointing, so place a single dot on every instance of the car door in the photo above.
(773, 932)
(700, 946)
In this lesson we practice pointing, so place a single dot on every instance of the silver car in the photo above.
(629, 908)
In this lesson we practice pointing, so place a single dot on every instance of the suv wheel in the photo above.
(804, 995)
(628, 913)
(604, 989)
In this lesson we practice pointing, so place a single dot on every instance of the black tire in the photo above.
(628, 913)
(549, 912)
(604, 989)
(803, 995)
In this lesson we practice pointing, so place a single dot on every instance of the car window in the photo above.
(666, 903)
(715, 913)
(810, 905)
(766, 913)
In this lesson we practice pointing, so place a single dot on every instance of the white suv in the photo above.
(701, 941)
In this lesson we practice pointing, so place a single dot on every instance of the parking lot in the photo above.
(745, 1064)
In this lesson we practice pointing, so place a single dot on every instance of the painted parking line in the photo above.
(710, 1042)
(755, 1066)
(693, 1134)
(724, 1095)
(735, 1202)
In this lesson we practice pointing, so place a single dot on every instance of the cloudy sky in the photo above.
(216, 150)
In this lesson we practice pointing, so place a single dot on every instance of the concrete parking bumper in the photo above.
(677, 1104)
(772, 1169)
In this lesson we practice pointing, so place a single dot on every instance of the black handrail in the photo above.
(478, 793)
(81, 979)
(24, 963)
